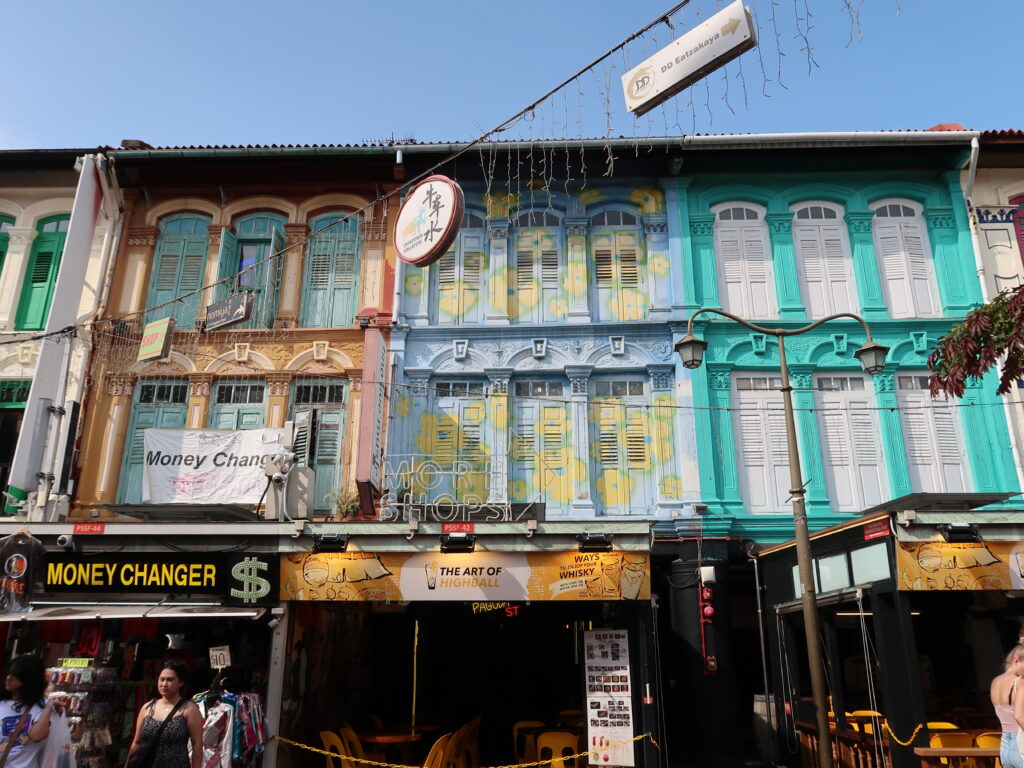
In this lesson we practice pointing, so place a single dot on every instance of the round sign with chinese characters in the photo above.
(429, 221)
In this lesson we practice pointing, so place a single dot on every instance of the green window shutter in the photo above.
(5, 222)
(40, 279)
(227, 262)
(178, 270)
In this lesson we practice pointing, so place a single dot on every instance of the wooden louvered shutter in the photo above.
(731, 271)
(527, 290)
(919, 266)
(895, 274)
(327, 455)
(344, 276)
(609, 422)
(764, 458)
(850, 449)
(629, 259)
(759, 275)
(470, 304)
(605, 276)
(934, 444)
(303, 423)
(524, 433)
(40, 279)
(638, 454)
(316, 293)
(447, 288)
(179, 269)
(227, 263)
(837, 270)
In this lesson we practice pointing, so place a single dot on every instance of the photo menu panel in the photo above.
(609, 711)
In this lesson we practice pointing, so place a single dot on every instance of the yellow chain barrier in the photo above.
(378, 764)
(894, 737)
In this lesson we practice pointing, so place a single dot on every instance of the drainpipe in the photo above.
(979, 263)
(769, 700)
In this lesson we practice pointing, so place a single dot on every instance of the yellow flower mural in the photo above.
(413, 283)
(499, 204)
(659, 265)
(649, 199)
(498, 290)
(457, 301)
(631, 305)
(588, 196)
(613, 488)
(672, 487)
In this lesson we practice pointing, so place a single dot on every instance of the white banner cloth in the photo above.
(207, 466)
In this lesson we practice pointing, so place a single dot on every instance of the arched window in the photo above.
(538, 296)
(41, 273)
(823, 257)
(904, 259)
(460, 275)
(330, 285)
(743, 253)
(245, 264)
(619, 266)
(179, 267)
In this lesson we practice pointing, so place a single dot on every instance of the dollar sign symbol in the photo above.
(254, 586)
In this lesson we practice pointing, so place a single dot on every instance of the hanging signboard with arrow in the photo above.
(687, 59)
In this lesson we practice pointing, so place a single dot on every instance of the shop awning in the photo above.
(71, 612)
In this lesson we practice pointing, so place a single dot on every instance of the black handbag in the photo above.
(145, 754)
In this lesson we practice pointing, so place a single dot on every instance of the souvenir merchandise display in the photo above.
(234, 730)
(93, 699)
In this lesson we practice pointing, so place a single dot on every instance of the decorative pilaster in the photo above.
(292, 266)
(498, 422)
(958, 287)
(667, 464)
(716, 443)
(278, 389)
(986, 435)
(139, 264)
(705, 274)
(659, 268)
(577, 277)
(119, 388)
(787, 279)
(866, 269)
(809, 439)
(579, 378)
(891, 429)
(371, 270)
(680, 251)
(19, 244)
(200, 385)
(496, 286)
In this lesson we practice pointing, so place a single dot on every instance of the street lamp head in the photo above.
(872, 357)
(691, 351)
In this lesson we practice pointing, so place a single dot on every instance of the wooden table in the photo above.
(931, 757)
(397, 742)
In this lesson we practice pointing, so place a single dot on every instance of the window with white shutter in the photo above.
(623, 468)
(318, 410)
(460, 275)
(823, 255)
(456, 447)
(759, 427)
(933, 438)
(745, 275)
(904, 259)
(618, 267)
(850, 443)
(540, 437)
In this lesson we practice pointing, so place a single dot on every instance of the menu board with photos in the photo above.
(609, 712)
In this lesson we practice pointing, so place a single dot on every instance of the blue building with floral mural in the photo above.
(534, 372)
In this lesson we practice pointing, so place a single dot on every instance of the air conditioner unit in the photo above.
(297, 493)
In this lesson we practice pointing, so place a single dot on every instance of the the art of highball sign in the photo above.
(207, 466)
(476, 576)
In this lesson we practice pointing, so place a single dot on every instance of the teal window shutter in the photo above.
(179, 267)
(331, 274)
(227, 263)
(41, 274)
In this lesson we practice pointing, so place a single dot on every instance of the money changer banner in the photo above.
(476, 576)
(239, 579)
(207, 466)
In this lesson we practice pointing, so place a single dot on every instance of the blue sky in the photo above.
(80, 74)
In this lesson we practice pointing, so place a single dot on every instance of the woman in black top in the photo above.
(187, 725)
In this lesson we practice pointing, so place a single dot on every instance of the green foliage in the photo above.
(971, 348)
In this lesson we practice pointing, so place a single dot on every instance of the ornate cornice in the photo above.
(859, 222)
(996, 214)
(497, 229)
(939, 218)
(120, 384)
(142, 237)
(655, 224)
(200, 384)
(374, 233)
(576, 226)
(295, 234)
(279, 383)
(779, 223)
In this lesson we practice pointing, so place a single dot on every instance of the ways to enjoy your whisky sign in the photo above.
(688, 58)
(429, 220)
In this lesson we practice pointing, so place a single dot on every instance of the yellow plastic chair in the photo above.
(436, 753)
(989, 740)
(524, 745)
(946, 739)
(868, 728)
(556, 746)
(354, 747)
(332, 743)
(941, 725)
(459, 751)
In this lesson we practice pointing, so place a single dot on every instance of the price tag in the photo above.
(75, 662)
(220, 656)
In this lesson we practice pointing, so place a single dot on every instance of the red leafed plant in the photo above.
(969, 349)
